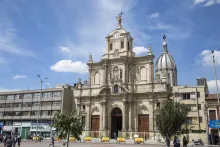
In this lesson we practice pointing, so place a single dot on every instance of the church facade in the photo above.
(123, 94)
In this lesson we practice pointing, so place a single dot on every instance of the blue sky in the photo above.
(54, 38)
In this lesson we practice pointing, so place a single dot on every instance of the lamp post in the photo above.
(207, 121)
(215, 79)
(41, 82)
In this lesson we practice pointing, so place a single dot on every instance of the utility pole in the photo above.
(41, 82)
(215, 79)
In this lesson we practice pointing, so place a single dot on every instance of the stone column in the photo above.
(124, 116)
(126, 43)
(150, 72)
(88, 117)
(104, 74)
(135, 116)
(107, 46)
(104, 115)
(101, 117)
(124, 73)
(129, 113)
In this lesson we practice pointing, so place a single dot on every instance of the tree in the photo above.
(170, 118)
(68, 124)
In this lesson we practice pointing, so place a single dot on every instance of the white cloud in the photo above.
(161, 26)
(87, 34)
(65, 49)
(199, 1)
(70, 66)
(154, 15)
(212, 86)
(10, 42)
(209, 3)
(139, 49)
(19, 77)
(206, 3)
(206, 59)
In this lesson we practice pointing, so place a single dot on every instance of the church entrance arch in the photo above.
(116, 122)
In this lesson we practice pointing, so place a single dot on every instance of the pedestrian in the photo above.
(19, 140)
(178, 142)
(14, 141)
(175, 142)
(1, 138)
(52, 141)
(5, 138)
(9, 142)
(115, 135)
(185, 142)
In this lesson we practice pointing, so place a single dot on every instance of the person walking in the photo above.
(14, 141)
(115, 135)
(52, 141)
(185, 142)
(1, 138)
(175, 142)
(178, 142)
(19, 141)
(9, 142)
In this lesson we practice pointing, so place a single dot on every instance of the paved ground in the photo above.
(59, 144)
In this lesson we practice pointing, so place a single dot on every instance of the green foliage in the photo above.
(68, 124)
(185, 128)
(171, 117)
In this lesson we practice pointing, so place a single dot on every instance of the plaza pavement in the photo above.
(60, 144)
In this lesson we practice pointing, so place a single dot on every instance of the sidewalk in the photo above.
(98, 141)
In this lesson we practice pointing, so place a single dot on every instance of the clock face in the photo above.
(116, 35)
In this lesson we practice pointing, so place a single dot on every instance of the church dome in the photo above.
(166, 67)
(165, 61)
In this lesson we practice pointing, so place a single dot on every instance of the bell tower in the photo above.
(119, 42)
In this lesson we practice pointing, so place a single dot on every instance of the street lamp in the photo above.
(215, 79)
(41, 82)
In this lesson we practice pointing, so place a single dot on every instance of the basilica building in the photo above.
(124, 91)
(122, 94)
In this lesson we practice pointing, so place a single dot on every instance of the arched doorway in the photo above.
(116, 121)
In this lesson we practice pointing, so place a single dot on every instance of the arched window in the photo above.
(110, 46)
(128, 46)
(116, 89)
(143, 73)
(120, 73)
(97, 78)
(122, 44)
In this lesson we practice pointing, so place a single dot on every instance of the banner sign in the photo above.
(26, 124)
(16, 123)
(40, 124)
(1, 123)
(7, 128)
(214, 124)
